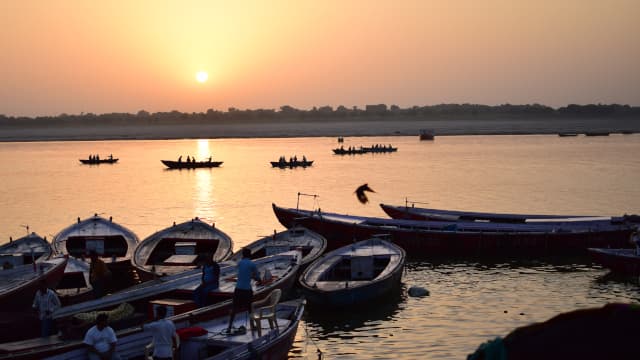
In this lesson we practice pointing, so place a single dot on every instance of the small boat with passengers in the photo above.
(180, 247)
(354, 274)
(95, 160)
(292, 163)
(191, 164)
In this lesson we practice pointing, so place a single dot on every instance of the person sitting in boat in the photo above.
(188, 159)
(210, 281)
(110, 156)
(209, 158)
(304, 158)
(97, 157)
(180, 158)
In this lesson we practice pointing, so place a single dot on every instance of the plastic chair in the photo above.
(265, 309)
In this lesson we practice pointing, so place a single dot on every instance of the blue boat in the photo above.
(354, 274)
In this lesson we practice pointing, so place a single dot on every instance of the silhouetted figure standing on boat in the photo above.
(243, 294)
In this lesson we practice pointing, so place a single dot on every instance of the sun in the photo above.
(202, 76)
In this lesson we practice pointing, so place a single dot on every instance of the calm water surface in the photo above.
(44, 186)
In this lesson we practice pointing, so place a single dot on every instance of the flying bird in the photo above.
(360, 193)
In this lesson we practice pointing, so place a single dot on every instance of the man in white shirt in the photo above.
(45, 303)
(101, 340)
(165, 338)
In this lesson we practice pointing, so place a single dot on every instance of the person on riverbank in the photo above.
(45, 303)
(243, 294)
(210, 280)
(165, 339)
(101, 340)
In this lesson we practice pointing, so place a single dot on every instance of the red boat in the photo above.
(623, 261)
(421, 239)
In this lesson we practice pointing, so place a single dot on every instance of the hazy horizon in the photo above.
(76, 57)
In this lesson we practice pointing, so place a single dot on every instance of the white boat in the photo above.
(353, 274)
(28, 249)
(310, 243)
(180, 247)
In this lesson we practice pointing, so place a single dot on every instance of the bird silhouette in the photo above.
(360, 193)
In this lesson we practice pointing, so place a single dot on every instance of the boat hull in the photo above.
(420, 243)
(19, 296)
(191, 165)
(287, 164)
(96, 162)
(622, 261)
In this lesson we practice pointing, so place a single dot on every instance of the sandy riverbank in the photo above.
(388, 127)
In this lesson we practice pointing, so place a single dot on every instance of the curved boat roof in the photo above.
(31, 243)
(192, 230)
(95, 226)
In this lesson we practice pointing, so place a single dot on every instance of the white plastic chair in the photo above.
(265, 309)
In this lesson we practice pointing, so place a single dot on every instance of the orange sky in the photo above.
(123, 56)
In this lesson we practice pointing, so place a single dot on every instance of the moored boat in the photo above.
(191, 164)
(180, 247)
(211, 343)
(423, 238)
(113, 243)
(353, 274)
(623, 261)
(75, 287)
(311, 244)
(417, 213)
(28, 249)
(19, 284)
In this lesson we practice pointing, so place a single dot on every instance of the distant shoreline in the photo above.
(333, 128)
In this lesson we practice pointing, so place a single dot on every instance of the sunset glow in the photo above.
(120, 56)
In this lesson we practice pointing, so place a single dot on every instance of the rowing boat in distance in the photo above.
(191, 164)
(364, 150)
(99, 161)
(416, 213)
(291, 164)
(354, 274)
(180, 247)
(435, 238)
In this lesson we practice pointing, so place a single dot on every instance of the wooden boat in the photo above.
(564, 134)
(424, 238)
(74, 287)
(113, 243)
(28, 249)
(215, 344)
(427, 134)
(282, 267)
(349, 151)
(99, 161)
(364, 150)
(19, 284)
(416, 213)
(191, 165)
(310, 243)
(353, 274)
(623, 261)
(180, 247)
(291, 164)
(597, 133)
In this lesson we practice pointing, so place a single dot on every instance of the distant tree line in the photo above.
(289, 113)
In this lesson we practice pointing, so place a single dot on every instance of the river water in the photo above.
(44, 187)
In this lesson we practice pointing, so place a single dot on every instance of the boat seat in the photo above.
(265, 309)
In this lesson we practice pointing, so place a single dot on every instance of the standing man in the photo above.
(101, 340)
(243, 293)
(210, 280)
(165, 338)
(99, 275)
(45, 303)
